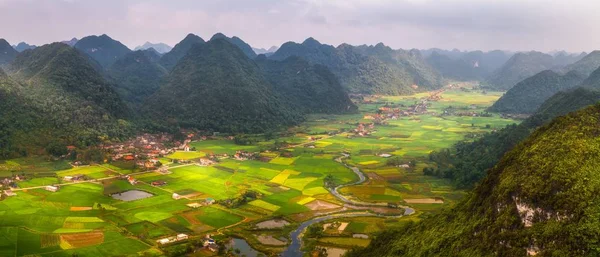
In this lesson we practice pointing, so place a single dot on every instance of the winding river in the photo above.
(294, 249)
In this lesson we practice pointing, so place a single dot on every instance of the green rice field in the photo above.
(290, 182)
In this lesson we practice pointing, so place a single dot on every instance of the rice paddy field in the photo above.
(84, 219)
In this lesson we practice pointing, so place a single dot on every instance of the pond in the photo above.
(243, 247)
(131, 195)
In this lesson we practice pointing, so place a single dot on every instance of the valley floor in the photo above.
(389, 141)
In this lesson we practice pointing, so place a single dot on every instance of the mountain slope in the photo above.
(137, 75)
(530, 94)
(79, 105)
(216, 87)
(245, 47)
(357, 72)
(518, 68)
(586, 65)
(310, 88)
(161, 48)
(542, 197)
(103, 49)
(7, 52)
(170, 59)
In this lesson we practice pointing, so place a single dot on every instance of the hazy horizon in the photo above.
(422, 24)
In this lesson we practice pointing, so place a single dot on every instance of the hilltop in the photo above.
(170, 59)
(103, 49)
(245, 47)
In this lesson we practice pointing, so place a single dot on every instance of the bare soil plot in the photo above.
(268, 224)
(317, 205)
(83, 239)
(270, 240)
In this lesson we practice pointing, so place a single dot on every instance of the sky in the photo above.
(518, 25)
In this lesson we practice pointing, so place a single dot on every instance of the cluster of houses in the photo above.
(362, 130)
(207, 242)
(145, 146)
(243, 155)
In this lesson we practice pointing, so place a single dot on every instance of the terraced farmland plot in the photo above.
(217, 218)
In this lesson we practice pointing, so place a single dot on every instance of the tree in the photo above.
(57, 149)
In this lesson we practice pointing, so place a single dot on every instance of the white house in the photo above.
(176, 196)
(51, 188)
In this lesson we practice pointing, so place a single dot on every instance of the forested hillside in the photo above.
(170, 59)
(78, 106)
(527, 95)
(137, 75)
(541, 198)
(309, 88)
(217, 87)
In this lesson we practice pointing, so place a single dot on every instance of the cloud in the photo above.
(465, 24)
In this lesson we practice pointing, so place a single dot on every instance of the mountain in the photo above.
(267, 52)
(103, 49)
(137, 75)
(457, 69)
(586, 65)
(307, 87)
(162, 48)
(7, 52)
(357, 71)
(529, 94)
(518, 68)
(170, 59)
(78, 105)
(247, 49)
(23, 46)
(71, 42)
(217, 87)
(540, 199)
